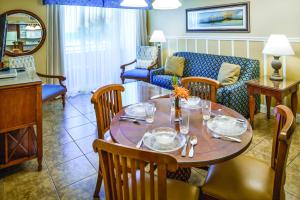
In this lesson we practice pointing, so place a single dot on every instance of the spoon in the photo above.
(193, 142)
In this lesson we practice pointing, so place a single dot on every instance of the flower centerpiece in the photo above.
(178, 93)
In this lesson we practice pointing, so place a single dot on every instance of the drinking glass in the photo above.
(185, 122)
(206, 109)
(150, 110)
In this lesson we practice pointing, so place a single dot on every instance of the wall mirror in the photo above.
(26, 33)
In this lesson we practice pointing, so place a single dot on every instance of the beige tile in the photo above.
(289, 196)
(91, 117)
(83, 189)
(59, 138)
(82, 131)
(86, 144)
(94, 159)
(60, 154)
(70, 172)
(292, 184)
(295, 164)
(74, 122)
(28, 183)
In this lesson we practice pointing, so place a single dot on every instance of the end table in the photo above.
(269, 88)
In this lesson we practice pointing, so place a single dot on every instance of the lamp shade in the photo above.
(166, 4)
(278, 45)
(134, 3)
(158, 36)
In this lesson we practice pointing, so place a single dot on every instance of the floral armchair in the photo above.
(49, 91)
(146, 60)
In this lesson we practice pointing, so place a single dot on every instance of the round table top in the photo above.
(208, 149)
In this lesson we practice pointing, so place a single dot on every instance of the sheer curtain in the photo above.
(96, 41)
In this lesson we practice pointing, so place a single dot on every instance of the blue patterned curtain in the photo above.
(94, 3)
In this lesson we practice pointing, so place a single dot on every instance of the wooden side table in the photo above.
(276, 89)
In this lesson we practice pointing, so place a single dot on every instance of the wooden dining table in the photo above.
(208, 150)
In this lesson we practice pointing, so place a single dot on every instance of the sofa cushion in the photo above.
(136, 73)
(164, 81)
(50, 90)
(229, 73)
(174, 65)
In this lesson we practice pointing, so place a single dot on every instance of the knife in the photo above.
(183, 152)
(134, 118)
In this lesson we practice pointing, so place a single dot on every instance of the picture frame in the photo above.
(219, 18)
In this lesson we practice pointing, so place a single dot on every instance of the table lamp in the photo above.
(278, 45)
(158, 37)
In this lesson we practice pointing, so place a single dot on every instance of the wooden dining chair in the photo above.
(107, 102)
(248, 178)
(119, 184)
(203, 87)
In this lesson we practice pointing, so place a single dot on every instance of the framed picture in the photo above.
(222, 18)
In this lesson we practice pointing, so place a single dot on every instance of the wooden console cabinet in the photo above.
(20, 120)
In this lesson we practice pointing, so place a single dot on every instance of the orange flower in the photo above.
(180, 92)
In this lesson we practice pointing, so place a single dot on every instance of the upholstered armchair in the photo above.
(49, 91)
(146, 59)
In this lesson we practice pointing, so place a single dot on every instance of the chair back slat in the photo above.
(284, 129)
(142, 166)
(107, 103)
(117, 181)
(203, 87)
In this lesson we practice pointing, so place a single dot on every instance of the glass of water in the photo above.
(185, 122)
(150, 111)
(206, 110)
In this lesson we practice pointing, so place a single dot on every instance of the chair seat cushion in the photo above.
(240, 178)
(136, 73)
(49, 90)
(175, 189)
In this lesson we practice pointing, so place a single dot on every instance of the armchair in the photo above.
(49, 91)
(147, 59)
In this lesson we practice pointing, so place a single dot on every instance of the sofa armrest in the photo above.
(234, 96)
(155, 72)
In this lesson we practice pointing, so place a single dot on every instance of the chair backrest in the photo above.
(147, 53)
(285, 126)
(113, 161)
(107, 102)
(21, 61)
(205, 88)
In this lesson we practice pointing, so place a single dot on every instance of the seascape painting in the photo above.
(219, 18)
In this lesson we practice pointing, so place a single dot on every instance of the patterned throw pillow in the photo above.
(143, 64)
(229, 73)
(175, 65)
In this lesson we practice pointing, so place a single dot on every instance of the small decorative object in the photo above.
(179, 92)
(166, 4)
(230, 18)
(278, 45)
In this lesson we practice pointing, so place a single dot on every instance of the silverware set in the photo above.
(189, 140)
(134, 120)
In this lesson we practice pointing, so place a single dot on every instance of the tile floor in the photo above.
(70, 165)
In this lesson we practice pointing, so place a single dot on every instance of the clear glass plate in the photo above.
(150, 141)
(225, 125)
(136, 110)
(185, 104)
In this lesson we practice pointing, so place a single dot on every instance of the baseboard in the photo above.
(263, 109)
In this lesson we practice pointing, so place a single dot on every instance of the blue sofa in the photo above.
(207, 65)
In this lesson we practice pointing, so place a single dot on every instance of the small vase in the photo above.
(177, 109)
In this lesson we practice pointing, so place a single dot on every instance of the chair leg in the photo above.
(98, 185)
(63, 98)
(123, 80)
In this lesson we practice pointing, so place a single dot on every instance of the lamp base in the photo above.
(276, 65)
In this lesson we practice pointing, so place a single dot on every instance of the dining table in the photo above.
(208, 149)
